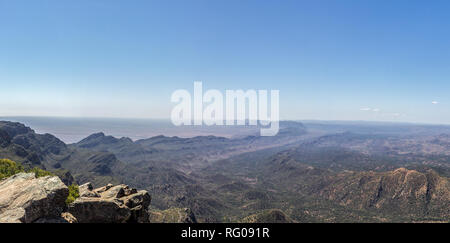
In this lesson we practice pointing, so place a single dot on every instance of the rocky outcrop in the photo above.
(26, 199)
(110, 204)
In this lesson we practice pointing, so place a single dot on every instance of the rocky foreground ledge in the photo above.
(27, 199)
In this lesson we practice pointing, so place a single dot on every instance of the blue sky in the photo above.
(331, 60)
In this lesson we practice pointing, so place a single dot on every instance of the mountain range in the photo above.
(307, 173)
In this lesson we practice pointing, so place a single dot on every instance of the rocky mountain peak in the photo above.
(14, 128)
(98, 139)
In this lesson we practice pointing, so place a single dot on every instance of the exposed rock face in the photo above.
(401, 191)
(110, 204)
(25, 198)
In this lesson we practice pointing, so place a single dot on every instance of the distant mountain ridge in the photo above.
(50, 153)
(160, 164)
(296, 176)
(188, 153)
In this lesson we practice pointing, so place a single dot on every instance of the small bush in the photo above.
(9, 168)
(74, 193)
(38, 172)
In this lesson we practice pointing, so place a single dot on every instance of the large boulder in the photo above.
(26, 199)
(110, 204)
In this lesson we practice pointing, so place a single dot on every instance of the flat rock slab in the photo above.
(25, 198)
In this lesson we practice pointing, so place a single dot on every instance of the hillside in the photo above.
(294, 177)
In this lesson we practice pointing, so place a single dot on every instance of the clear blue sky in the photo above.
(332, 60)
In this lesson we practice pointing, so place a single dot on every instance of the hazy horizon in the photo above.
(168, 120)
(72, 130)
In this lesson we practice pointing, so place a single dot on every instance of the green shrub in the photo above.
(74, 193)
(9, 168)
(38, 172)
